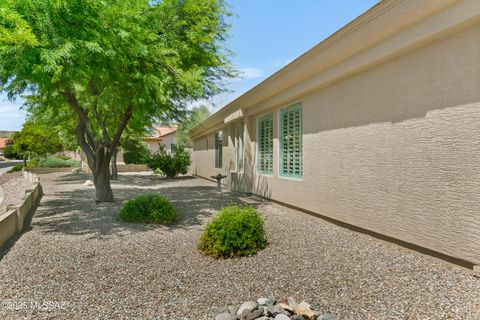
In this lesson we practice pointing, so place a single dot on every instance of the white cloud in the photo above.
(247, 74)
(250, 73)
(280, 63)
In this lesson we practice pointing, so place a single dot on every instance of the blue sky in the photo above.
(265, 36)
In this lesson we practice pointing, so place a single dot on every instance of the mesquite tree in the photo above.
(111, 62)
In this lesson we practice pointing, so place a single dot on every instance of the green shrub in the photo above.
(136, 157)
(10, 153)
(32, 163)
(63, 157)
(235, 231)
(16, 168)
(148, 207)
(56, 162)
(170, 164)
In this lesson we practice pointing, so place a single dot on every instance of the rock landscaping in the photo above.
(265, 309)
(85, 263)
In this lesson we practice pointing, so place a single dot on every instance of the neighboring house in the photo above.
(377, 127)
(3, 143)
(162, 135)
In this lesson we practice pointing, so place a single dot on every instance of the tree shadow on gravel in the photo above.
(74, 212)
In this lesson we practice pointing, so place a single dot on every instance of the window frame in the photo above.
(219, 149)
(281, 142)
(260, 119)
(239, 125)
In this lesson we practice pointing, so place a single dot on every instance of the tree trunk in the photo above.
(98, 149)
(101, 176)
(103, 190)
(114, 165)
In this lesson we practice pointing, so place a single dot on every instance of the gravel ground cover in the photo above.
(80, 262)
(14, 187)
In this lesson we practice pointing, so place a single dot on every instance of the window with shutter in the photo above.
(265, 144)
(291, 141)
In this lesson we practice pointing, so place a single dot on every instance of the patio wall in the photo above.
(13, 220)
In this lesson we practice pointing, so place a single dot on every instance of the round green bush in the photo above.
(148, 207)
(235, 231)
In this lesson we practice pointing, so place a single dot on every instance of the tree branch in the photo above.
(94, 91)
(123, 124)
(82, 130)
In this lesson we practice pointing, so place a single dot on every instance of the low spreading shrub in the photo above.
(16, 168)
(171, 164)
(56, 162)
(148, 207)
(235, 231)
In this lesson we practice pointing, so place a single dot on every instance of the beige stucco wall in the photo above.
(167, 140)
(394, 149)
(203, 157)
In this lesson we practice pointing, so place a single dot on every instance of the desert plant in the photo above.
(148, 207)
(16, 168)
(170, 164)
(235, 231)
(56, 162)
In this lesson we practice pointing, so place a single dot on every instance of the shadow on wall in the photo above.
(74, 212)
(263, 186)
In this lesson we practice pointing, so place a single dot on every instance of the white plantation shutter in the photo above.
(291, 141)
(265, 144)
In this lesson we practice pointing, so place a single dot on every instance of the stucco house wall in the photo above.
(392, 145)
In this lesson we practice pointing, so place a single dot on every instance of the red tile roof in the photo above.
(159, 132)
(4, 142)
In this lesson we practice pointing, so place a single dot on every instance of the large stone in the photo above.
(291, 301)
(88, 183)
(225, 316)
(255, 314)
(297, 317)
(286, 307)
(274, 310)
(303, 309)
(328, 316)
(249, 305)
(265, 302)
(282, 317)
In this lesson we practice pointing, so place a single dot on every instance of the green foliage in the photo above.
(235, 231)
(57, 162)
(35, 140)
(196, 116)
(136, 157)
(17, 167)
(170, 164)
(135, 149)
(95, 68)
(10, 153)
(148, 207)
